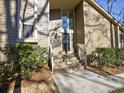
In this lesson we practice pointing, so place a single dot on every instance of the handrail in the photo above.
(55, 29)
(83, 55)
(82, 50)
(50, 59)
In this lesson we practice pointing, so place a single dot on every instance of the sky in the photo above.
(118, 8)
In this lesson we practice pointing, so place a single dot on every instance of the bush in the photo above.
(105, 56)
(108, 57)
(22, 58)
(91, 58)
(121, 90)
(120, 56)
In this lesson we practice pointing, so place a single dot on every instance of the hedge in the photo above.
(120, 56)
(109, 57)
(22, 58)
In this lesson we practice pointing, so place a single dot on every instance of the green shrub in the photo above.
(91, 58)
(105, 57)
(121, 90)
(108, 57)
(22, 58)
(120, 56)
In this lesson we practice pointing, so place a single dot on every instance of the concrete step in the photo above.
(72, 66)
(68, 62)
(73, 58)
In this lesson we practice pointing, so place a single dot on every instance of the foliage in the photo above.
(118, 91)
(22, 58)
(105, 56)
(120, 56)
(91, 58)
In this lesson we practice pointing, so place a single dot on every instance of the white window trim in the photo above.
(35, 34)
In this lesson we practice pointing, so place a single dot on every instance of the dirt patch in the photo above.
(40, 82)
(105, 71)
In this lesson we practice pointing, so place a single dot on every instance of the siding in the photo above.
(39, 10)
(29, 13)
(43, 22)
(97, 29)
(8, 23)
(8, 33)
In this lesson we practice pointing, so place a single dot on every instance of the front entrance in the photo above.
(63, 36)
(67, 30)
(61, 31)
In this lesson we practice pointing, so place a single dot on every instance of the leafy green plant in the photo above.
(91, 58)
(109, 57)
(6, 70)
(106, 57)
(120, 56)
(22, 58)
(121, 90)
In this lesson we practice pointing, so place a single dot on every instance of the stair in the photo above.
(67, 63)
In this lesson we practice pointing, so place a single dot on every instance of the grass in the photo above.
(118, 91)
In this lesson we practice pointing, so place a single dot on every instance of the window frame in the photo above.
(20, 32)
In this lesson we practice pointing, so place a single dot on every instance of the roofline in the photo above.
(104, 13)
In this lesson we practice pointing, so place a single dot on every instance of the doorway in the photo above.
(67, 29)
(58, 37)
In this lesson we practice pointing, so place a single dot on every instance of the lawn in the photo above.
(118, 91)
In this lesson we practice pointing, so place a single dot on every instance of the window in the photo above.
(30, 31)
(71, 21)
(121, 38)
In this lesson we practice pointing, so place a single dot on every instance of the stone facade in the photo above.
(101, 30)
(97, 29)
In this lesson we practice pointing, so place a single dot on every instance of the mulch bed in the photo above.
(41, 76)
(105, 71)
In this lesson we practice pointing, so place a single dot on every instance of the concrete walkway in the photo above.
(86, 82)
